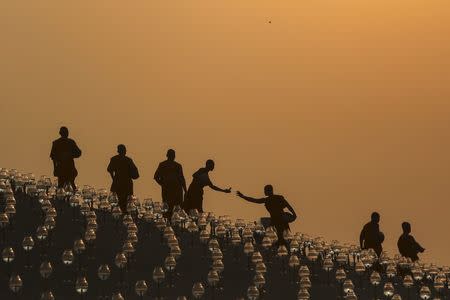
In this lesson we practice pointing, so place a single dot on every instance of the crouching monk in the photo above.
(63, 153)
(275, 205)
(123, 171)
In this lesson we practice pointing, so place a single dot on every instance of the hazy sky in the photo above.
(343, 105)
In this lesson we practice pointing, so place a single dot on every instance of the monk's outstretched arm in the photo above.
(216, 188)
(250, 199)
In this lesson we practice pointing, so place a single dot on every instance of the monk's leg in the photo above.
(122, 197)
(60, 182)
(72, 183)
(280, 233)
(166, 198)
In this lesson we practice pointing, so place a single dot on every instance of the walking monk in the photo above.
(371, 237)
(63, 153)
(169, 176)
(123, 171)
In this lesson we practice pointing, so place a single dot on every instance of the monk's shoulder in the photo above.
(115, 158)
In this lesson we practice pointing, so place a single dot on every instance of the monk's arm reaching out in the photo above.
(216, 188)
(250, 199)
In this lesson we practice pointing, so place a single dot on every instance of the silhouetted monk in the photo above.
(123, 171)
(275, 205)
(63, 153)
(194, 194)
(169, 176)
(407, 245)
(371, 237)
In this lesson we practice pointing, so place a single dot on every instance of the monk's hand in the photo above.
(228, 190)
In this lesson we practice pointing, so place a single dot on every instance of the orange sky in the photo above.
(344, 106)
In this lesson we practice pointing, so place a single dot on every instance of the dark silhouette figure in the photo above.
(371, 237)
(200, 179)
(123, 171)
(169, 176)
(63, 153)
(275, 205)
(407, 245)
